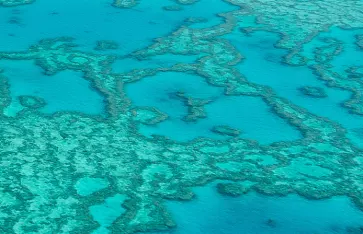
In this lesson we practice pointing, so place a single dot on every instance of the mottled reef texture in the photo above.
(44, 157)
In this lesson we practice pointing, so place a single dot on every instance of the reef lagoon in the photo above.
(181, 117)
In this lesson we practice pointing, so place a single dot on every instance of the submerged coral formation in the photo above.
(59, 171)
(315, 92)
(124, 3)
(226, 130)
(132, 3)
(360, 41)
(106, 45)
(148, 115)
(173, 8)
(195, 107)
(10, 3)
(31, 101)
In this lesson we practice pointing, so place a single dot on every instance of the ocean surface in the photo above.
(181, 116)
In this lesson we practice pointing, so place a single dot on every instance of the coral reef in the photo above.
(315, 92)
(146, 171)
(195, 107)
(10, 3)
(132, 3)
(194, 20)
(106, 45)
(148, 115)
(48, 161)
(31, 101)
(360, 41)
(124, 3)
(269, 13)
(173, 8)
(226, 130)
(231, 189)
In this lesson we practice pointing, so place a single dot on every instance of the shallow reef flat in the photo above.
(217, 112)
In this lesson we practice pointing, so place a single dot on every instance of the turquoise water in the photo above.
(105, 214)
(66, 91)
(128, 127)
(350, 56)
(286, 80)
(260, 51)
(86, 186)
(96, 21)
(254, 213)
(250, 115)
